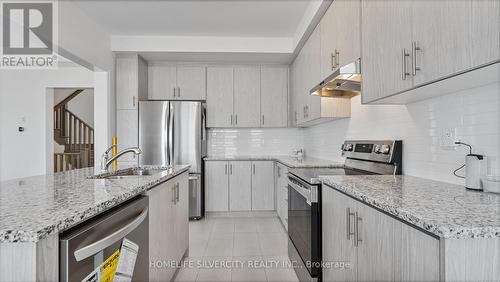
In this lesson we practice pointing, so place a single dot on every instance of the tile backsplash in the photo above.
(253, 141)
(474, 113)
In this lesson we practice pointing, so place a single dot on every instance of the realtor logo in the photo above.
(28, 35)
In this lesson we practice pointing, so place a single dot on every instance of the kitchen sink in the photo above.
(127, 173)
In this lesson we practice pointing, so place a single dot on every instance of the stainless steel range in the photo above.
(304, 197)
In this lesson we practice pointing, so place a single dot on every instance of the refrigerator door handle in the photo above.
(171, 135)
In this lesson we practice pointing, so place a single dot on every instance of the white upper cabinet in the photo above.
(247, 96)
(439, 46)
(348, 30)
(312, 75)
(162, 82)
(410, 44)
(170, 82)
(191, 83)
(386, 43)
(219, 96)
(328, 40)
(340, 35)
(485, 31)
(274, 96)
(131, 81)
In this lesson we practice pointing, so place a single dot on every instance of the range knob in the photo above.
(376, 149)
(349, 147)
(385, 149)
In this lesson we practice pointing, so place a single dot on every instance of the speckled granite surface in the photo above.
(289, 161)
(34, 207)
(446, 210)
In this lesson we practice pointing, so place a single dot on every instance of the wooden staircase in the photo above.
(75, 135)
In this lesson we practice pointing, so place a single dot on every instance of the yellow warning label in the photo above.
(108, 267)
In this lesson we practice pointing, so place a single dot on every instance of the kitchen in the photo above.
(337, 153)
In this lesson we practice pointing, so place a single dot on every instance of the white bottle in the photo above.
(475, 168)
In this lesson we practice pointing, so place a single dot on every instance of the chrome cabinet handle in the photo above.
(178, 92)
(263, 120)
(404, 72)
(173, 194)
(174, 91)
(349, 214)
(112, 238)
(337, 55)
(231, 169)
(225, 169)
(332, 61)
(231, 119)
(253, 167)
(133, 101)
(177, 193)
(357, 238)
(414, 49)
(236, 119)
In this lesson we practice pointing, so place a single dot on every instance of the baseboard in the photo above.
(241, 214)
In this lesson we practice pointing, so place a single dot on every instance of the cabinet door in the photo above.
(247, 96)
(162, 82)
(219, 96)
(127, 133)
(263, 186)
(216, 186)
(274, 96)
(385, 32)
(127, 82)
(485, 31)
(161, 230)
(376, 258)
(240, 185)
(142, 82)
(191, 83)
(416, 254)
(313, 76)
(441, 29)
(337, 244)
(348, 30)
(328, 40)
(182, 215)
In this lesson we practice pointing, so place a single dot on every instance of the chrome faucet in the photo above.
(105, 162)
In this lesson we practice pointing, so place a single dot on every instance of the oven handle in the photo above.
(302, 191)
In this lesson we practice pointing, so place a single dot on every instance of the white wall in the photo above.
(474, 112)
(24, 102)
(230, 142)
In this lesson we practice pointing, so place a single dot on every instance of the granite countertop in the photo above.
(288, 161)
(34, 207)
(446, 210)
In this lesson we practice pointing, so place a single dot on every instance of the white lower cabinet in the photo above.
(375, 246)
(216, 186)
(262, 186)
(168, 225)
(239, 186)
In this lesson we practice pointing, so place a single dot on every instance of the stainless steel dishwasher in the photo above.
(84, 247)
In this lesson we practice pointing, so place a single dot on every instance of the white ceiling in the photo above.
(242, 18)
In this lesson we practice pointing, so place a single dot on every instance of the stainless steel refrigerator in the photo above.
(173, 133)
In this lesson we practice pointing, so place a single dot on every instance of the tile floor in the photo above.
(237, 249)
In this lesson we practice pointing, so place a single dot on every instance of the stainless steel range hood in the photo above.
(344, 82)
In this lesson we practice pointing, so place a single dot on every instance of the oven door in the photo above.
(304, 220)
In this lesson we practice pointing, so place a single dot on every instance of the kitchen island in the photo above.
(408, 228)
(34, 210)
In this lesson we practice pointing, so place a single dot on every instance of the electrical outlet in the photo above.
(448, 138)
